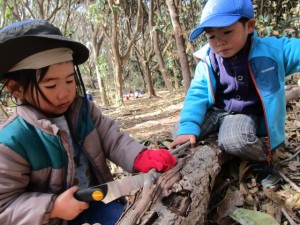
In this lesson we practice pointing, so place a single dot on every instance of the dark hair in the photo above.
(24, 79)
(29, 80)
(243, 20)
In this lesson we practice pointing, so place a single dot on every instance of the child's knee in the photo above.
(246, 146)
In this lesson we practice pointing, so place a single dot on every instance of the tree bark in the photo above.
(149, 83)
(181, 195)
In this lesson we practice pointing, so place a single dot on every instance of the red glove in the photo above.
(161, 159)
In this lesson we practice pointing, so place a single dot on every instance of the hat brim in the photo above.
(215, 21)
(16, 49)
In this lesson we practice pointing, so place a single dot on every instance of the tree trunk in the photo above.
(118, 84)
(161, 63)
(176, 81)
(95, 45)
(149, 83)
(158, 54)
(102, 88)
(184, 63)
(116, 56)
(181, 195)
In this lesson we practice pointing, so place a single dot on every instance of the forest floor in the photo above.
(150, 121)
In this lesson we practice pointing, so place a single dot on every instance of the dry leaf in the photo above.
(247, 217)
(293, 165)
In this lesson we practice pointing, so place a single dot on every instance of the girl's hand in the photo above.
(181, 139)
(66, 206)
(161, 159)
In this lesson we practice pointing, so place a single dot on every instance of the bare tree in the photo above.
(154, 36)
(97, 37)
(180, 44)
(144, 50)
(42, 9)
(118, 57)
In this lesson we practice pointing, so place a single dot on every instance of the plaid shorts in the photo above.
(236, 133)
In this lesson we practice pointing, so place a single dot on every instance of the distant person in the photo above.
(89, 96)
(238, 88)
(136, 94)
(126, 97)
(57, 141)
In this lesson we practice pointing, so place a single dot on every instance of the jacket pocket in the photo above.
(265, 71)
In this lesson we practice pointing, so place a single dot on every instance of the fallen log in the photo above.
(181, 195)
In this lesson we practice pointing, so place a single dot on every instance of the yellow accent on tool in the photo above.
(97, 195)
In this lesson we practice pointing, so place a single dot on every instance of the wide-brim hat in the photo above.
(23, 39)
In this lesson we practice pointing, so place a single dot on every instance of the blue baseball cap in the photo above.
(222, 13)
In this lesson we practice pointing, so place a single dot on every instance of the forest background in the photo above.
(141, 44)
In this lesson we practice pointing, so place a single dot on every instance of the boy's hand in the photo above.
(182, 139)
(66, 206)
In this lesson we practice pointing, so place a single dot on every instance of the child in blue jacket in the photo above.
(238, 88)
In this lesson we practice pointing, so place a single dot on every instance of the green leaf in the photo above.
(250, 217)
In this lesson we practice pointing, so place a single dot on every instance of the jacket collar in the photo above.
(36, 119)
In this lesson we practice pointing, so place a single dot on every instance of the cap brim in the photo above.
(216, 21)
(17, 49)
(196, 33)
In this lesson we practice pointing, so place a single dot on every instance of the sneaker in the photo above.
(265, 173)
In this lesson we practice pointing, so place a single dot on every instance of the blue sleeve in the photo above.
(196, 102)
(291, 51)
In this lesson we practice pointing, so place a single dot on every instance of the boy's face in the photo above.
(228, 41)
(59, 87)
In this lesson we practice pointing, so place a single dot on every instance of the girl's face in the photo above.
(58, 86)
(228, 41)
